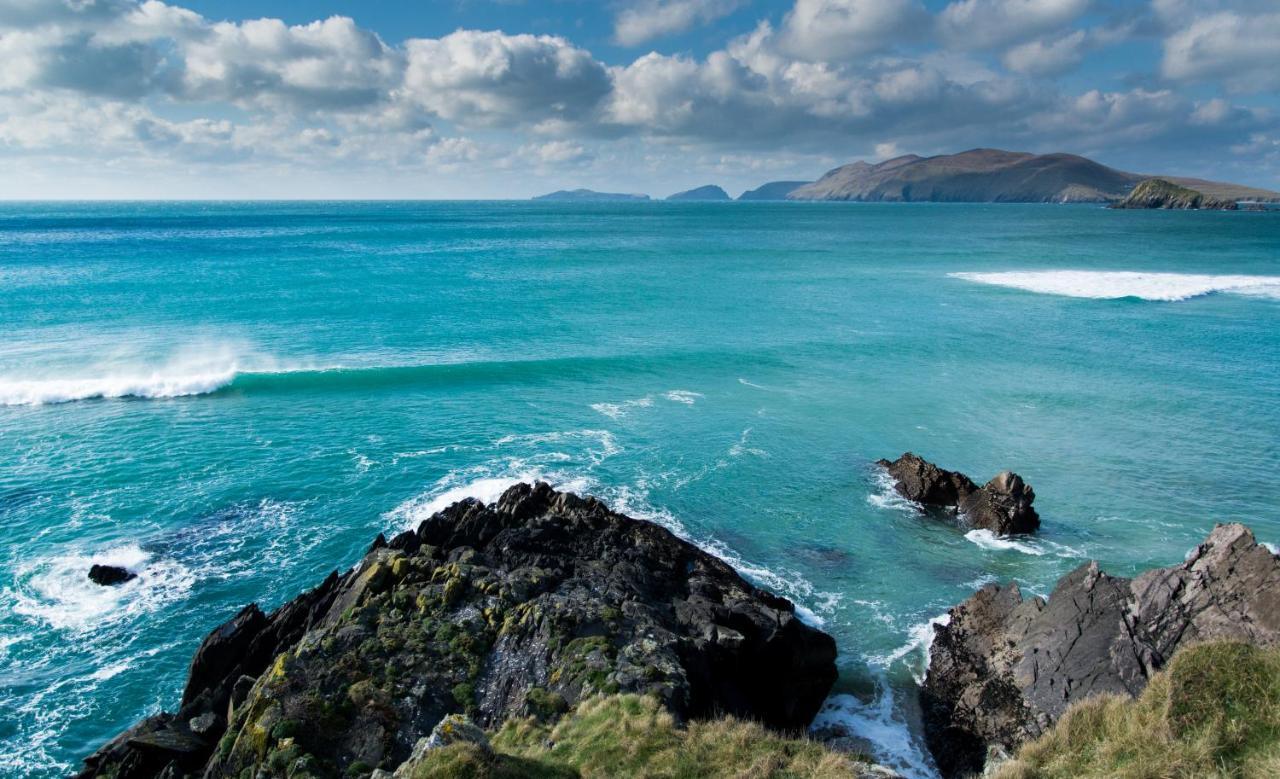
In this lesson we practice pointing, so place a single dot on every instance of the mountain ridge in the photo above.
(986, 175)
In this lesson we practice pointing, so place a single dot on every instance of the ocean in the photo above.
(236, 398)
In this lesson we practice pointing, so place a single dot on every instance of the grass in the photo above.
(633, 736)
(1213, 712)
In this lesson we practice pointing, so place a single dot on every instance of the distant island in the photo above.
(708, 192)
(982, 176)
(589, 196)
(774, 190)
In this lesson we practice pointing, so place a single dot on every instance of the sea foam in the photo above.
(1113, 285)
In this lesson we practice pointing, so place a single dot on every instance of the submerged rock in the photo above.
(521, 607)
(1004, 669)
(110, 575)
(1002, 505)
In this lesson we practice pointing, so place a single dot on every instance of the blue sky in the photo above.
(509, 98)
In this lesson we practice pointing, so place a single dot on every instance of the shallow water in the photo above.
(234, 399)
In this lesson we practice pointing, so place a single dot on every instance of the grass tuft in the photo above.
(1214, 712)
(633, 736)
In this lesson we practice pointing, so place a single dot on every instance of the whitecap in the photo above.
(620, 410)
(1272, 548)
(1111, 285)
(740, 448)
(197, 369)
(682, 396)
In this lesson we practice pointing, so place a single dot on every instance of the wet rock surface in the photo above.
(1002, 505)
(518, 608)
(1005, 668)
(110, 575)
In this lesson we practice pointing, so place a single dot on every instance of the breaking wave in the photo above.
(1113, 285)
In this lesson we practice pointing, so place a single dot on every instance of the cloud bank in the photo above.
(110, 86)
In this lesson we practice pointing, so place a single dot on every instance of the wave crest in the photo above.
(1114, 285)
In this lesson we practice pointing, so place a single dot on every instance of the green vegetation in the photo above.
(1214, 712)
(633, 736)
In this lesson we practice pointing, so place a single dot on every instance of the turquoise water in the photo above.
(236, 398)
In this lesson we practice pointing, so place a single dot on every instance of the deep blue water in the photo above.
(235, 398)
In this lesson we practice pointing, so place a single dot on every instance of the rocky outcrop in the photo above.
(110, 575)
(1159, 193)
(1002, 505)
(1004, 668)
(521, 607)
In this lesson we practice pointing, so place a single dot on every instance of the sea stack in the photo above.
(1002, 505)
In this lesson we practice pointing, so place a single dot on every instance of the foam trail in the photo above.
(887, 495)
(58, 592)
(876, 723)
(1112, 285)
(988, 540)
(916, 649)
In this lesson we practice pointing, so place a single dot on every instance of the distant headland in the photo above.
(978, 176)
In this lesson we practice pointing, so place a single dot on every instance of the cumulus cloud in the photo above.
(983, 24)
(494, 78)
(651, 19)
(1046, 57)
(846, 29)
(1240, 49)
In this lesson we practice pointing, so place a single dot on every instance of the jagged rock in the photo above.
(110, 575)
(1004, 669)
(1002, 505)
(521, 607)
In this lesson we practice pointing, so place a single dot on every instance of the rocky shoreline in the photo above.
(543, 605)
(523, 607)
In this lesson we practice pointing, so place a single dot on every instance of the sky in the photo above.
(511, 98)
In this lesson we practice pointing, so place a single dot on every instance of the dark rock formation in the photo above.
(1004, 669)
(521, 607)
(110, 575)
(774, 190)
(1159, 193)
(708, 192)
(1002, 505)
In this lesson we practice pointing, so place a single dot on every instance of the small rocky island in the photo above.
(521, 608)
(708, 192)
(589, 196)
(1002, 505)
(1160, 193)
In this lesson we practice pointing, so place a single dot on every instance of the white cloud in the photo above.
(649, 19)
(1047, 57)
(1239, 49)
(980, 24)
(499, 79)
(846, 29)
